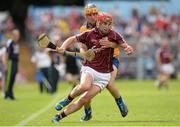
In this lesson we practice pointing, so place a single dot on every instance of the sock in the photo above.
(62, 115)
(70, 98)
(118, 99)
(88, 110)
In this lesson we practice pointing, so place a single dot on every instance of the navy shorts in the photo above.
(116, 62)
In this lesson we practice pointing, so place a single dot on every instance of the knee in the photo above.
(83, 87)
(111, 85)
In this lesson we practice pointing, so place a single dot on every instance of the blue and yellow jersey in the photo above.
(83, 29)
(116, 52)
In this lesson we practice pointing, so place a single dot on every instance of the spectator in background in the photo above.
(53, 73)
(72, 68)
(2, 67)
(164, 63)
(42, 61)
(11, 61)
(143, 29)
(71, 63)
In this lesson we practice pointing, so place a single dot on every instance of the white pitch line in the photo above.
(36, 114)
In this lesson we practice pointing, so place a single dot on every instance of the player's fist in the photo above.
(129, 49)
(105, 43)
(60, 50)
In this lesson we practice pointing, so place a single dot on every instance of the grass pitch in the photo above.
(147, 106)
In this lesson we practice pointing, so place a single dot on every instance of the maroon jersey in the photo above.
(103, 59)
(165, 56)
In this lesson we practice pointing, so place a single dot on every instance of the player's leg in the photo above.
(88, 95)
(165, 80)
(102, 80)
(85, 84)
(2, 82)
(10, 79)
(13, 78)
(99, 80)
(72, 79)
(160, 81)
(7, 79)
(165, 72)
(40, 86)
(87, 112)
(112, 88)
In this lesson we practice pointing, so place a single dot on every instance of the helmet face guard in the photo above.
(90, 9)
(104, 23)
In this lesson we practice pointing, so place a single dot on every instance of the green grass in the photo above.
(147, 106)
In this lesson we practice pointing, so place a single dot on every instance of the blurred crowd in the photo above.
(145, 33)
(6, 26)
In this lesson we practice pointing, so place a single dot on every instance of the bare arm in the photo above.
(69, 41)
(83, 47)
(87, 55)
(127, 48)
(108, 44)
(66, 44)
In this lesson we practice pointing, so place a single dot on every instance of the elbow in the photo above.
(73, 39)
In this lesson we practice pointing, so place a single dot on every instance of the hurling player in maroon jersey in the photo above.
(95, 74)
(90, 13)
(164, 60)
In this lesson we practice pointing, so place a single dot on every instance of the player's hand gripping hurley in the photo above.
(45, 42)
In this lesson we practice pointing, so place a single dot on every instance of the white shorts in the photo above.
(99, 79)
(167, 68)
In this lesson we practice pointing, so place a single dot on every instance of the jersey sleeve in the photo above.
(117, 38)
(82, 37)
